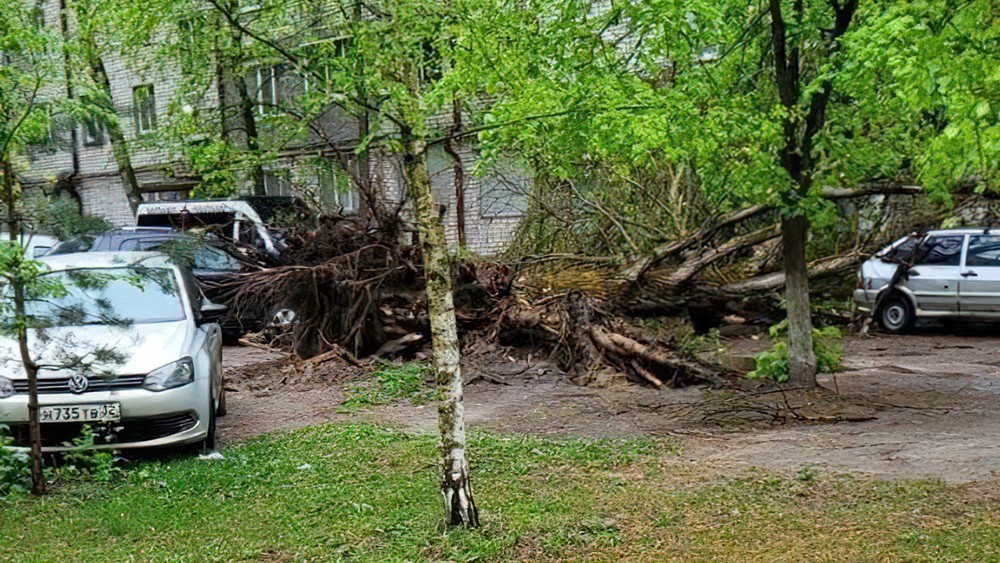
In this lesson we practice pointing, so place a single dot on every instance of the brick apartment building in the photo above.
(76, 158)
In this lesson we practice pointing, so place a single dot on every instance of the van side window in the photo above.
(984, 250)
(942, 251)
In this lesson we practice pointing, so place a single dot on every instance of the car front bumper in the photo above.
(148, 419)
(865, 300)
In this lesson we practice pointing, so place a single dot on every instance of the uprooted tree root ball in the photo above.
(357, 289)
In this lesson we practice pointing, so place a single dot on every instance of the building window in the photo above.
(273, 87)
(430, 68)
(49, 138)
(38, 16)
(320, 77)
(335, 189)
(168, 195)
(187, 44)
(45, 135)
(93, 133)
(277, 184)
(144, 102)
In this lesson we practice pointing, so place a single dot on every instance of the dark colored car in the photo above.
(210, 260)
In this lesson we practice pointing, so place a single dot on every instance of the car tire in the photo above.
(208, 444)
(221, 410)
(231, 336)
(896, 315)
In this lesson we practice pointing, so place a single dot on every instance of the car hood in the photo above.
(141, 348)
(876, 268)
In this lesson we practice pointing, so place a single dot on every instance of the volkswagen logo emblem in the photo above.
(78, 383)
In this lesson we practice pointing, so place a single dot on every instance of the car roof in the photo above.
(963, 231)
(107, 260)
(199, 206)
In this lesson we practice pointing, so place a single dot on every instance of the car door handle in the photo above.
(968, 274)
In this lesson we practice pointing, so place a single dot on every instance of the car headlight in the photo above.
(169, 376)
(6, 387)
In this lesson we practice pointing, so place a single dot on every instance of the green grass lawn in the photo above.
(368, 493)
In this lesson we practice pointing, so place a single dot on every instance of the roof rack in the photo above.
(148, 229)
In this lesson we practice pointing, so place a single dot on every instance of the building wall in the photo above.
(102, 192)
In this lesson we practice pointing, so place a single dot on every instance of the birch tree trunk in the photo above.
(456, 485)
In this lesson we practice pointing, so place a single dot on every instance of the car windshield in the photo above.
(903, 251)
(78, 244)
(109, 296)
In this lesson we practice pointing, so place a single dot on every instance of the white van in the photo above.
(229, 218)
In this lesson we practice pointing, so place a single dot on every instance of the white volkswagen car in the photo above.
(130, 348)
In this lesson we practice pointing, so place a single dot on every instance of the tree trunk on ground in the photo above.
(119, 146)
(456, 486)
(801, 357)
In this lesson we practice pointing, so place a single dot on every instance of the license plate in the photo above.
(99, 412)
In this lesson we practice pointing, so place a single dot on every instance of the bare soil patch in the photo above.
(263, 397)
(929, 405)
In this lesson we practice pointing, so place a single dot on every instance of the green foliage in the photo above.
(62, 219)
(390, 383)
(772, 363)
(358, 492)
(924, 73)
(86, 463)
(27, 65)
(692, 343)
(15, 466)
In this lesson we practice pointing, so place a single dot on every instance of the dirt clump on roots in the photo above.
(285, 372)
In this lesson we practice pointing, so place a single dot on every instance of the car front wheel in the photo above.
(208, 444)
(896, 315)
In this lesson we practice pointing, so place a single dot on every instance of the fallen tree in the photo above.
(358, 290)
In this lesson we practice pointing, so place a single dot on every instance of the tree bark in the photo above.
(34, 425)
(364, 129)
(246, 105)
(458, 170)
(68, 76)
(456, 486)
(119, 146)
(801, 357)
(30, 369)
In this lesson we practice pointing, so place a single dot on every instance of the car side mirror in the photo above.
(211, 312)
